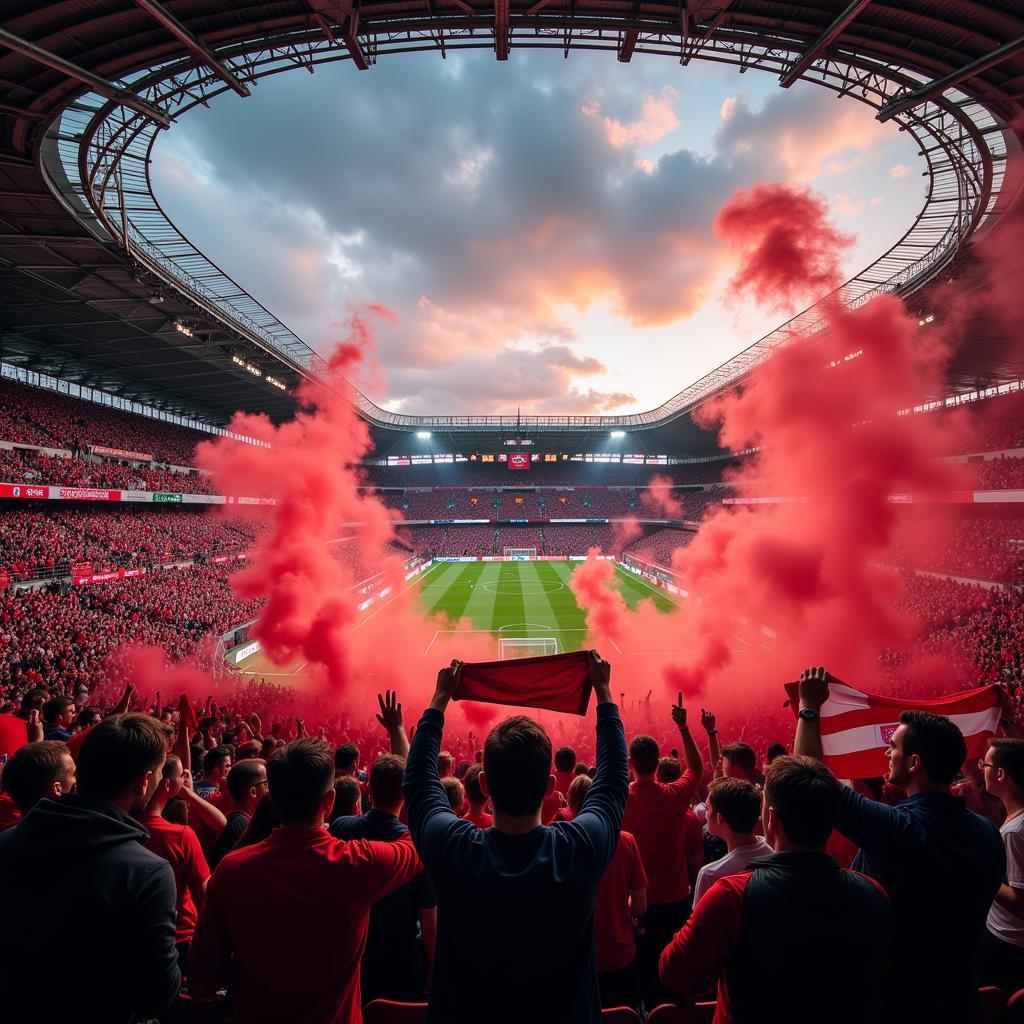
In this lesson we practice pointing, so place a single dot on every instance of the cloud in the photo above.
(798, 136)
(487, 217)
(898, 171)
(657, 119)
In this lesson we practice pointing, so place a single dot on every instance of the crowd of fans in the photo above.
(36, 416)
(242, 862)
(45, 539)
(25, 465)
(63, 639)
(1000, 474)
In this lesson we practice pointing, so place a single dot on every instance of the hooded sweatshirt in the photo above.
(89, 917)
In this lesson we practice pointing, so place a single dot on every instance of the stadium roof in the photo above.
(98, 286)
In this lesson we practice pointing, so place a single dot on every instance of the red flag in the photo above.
(187, 716)
(856, 726)
(557, 682)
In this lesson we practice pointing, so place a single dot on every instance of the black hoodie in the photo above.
(87, 929)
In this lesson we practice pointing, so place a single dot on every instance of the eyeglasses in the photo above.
(263, 782)
(982, 763)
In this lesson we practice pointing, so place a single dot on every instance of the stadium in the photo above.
(214, 540)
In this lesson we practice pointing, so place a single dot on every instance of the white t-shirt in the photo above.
(731, 864)
(1001, 923)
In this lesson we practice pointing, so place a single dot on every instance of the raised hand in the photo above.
(448, 680)
(34, 726)
(707, 720)
(390, 716)
(814, 683)
(679, 712)
(599, 672)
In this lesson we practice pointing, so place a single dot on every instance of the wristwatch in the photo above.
(809, 714)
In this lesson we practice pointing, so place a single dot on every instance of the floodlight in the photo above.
(423, 435)
(618, 433)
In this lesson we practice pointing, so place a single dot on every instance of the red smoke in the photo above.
(789, 251)
(771, 588)
(659, 499)
(312, 621)
(593, 586)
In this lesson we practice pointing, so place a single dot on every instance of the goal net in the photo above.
(519, 554)
(526, 647)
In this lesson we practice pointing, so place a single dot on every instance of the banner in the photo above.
(169, 496)
(118, 453)
(519, 460)
(856, 726)
(107, 577)
(84, 494)
(23, 491)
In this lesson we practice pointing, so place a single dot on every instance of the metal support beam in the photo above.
(501, 29)
(346, 16)
(628, 44)
(823, 42)
(193, 43)
(940, 85)
(95, 82)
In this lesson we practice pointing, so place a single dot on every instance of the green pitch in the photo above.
(522, 599)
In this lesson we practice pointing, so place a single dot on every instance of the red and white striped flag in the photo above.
(856, 727)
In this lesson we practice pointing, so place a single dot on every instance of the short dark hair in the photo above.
(33, 700)
(169, 762)
(345, 757)
(565, 759)
(578, 790)
(669, 769)
(741, 754)
(471, 781)
(31, 771)
(1008, 754)
(118, 750)
(386, 775)
(805, 796)
(775, 750)
(213, 758)
(454, 790)
(445, 763)
(347, 794)
(244, 775)
(299, 775)
(937, 741)
(55, 707)
(580, 769)
(738, 801)
(517, 763)
(643, 752)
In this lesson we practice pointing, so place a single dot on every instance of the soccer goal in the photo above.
(526, 647)
(519, 554)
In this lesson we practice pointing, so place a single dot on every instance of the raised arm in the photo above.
(430, 815)
(691, 754)
(390, 718)
(707, 720)
(212, 817)
(813, 694)
(605, 802)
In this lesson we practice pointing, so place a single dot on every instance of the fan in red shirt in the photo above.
(656, 818)
(621, 898)
(179, 846)
(476, 798)
(317, 890)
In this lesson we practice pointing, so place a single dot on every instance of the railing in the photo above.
(100, 155)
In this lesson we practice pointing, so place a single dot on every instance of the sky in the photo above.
(541, 228)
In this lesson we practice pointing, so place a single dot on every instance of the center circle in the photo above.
(509, 588)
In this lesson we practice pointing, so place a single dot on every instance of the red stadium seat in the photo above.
(993, 1004)
(697, 1013)
(620, 1015)
(384, 1011)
